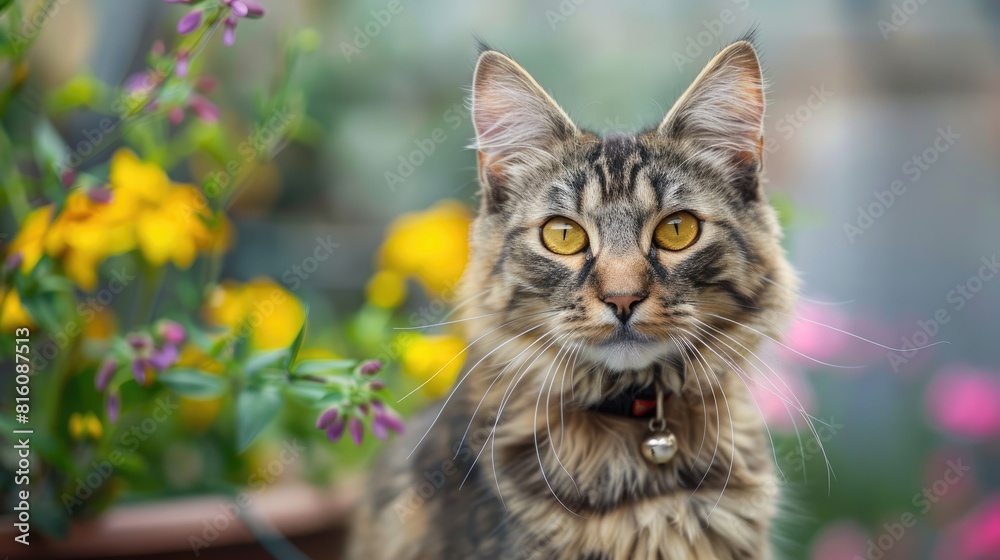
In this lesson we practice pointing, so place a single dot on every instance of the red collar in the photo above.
(634, 402)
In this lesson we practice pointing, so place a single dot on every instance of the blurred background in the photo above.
(883, 137)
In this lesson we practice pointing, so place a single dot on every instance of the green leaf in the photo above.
(51, 154)
(310, 392)
(297, 343)
(333, 397)
(255, 408)
(320, 367)
(193, 383)
(4, 4)
(260, 360)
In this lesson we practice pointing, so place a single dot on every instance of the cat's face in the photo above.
(627, 245)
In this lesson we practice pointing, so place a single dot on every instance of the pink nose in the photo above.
(622, 304)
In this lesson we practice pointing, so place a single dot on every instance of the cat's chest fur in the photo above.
(599, 500)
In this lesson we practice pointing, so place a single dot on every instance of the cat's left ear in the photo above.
(723, 110)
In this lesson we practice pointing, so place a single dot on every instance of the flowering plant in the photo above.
(137, 355)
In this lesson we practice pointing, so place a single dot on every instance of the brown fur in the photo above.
(552, 479)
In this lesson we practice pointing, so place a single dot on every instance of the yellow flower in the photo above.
(30, 239)
(167, 222)
(435, 359)
(12, 314)
(432, 246)
(387, 289)
(85, 426)
(171, 221)
(261, 308)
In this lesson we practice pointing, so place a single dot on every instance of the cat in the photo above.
(603, 269)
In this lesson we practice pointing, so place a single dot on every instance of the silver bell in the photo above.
(660, 448)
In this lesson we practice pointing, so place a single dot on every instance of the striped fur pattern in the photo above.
(513, 464)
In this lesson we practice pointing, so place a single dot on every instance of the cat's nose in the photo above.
(622, 304)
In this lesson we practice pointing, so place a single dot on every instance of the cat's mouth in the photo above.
(628, 350)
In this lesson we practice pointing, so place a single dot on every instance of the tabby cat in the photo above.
(617, 286)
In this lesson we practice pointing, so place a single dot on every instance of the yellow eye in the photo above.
(563, 236)
(677, 231)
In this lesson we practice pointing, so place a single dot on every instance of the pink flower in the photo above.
(965, 401)
(807, 334)
(839, 541)
(779, 394)
(977, 537)
(171, 332)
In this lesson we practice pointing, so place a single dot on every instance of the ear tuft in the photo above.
(723, 110)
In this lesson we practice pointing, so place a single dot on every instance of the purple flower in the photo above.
(376, 385)
(113, 406)
(178, 1)
(335, 430)
(164, 357)
(14, 260)
(363, 409)
(140, 342)
(246, 8)
(239, 9)
(182, 64)
(357, 430)
(104, 374)
(139, 370)
(379, 430)
(204, 109)
(171, 332)
(176, 116)
(327, 418)
(371, 367)
(100, 195)
(389, 420)
(189, 22)
(229, 33)
(67, 177)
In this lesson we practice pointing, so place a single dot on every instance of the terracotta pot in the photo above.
(314, 520)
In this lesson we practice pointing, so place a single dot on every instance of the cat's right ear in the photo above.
(516, 122)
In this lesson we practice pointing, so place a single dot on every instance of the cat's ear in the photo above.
(515, 120)
(723, 110)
